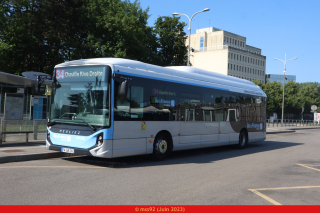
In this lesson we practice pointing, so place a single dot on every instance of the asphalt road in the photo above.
(284, 169)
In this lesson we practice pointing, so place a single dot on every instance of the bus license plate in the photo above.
(67, 150)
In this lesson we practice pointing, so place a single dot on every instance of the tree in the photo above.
(37, 35)
(119, 29)
(292, 102)
(274, 95)
(309, 95)
(172, 50)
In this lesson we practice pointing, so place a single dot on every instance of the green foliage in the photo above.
(171, 41)
(37, 35)
(297, 95)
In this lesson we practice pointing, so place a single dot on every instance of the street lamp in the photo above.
(284, 81)
(175, 14)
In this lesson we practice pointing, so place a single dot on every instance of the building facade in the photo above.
(279, 78)
(226, 53)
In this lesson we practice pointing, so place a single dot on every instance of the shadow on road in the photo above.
(204, 155)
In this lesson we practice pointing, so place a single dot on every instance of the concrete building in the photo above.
(227, 53)
(279, 78)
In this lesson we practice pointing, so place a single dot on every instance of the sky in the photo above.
(278, 27)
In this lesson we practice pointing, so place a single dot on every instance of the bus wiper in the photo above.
(94, 129)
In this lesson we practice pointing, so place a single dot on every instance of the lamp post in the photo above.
(284, 81)
(190, 19)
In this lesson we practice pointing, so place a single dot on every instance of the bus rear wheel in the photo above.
(243, 139)
(161, 147)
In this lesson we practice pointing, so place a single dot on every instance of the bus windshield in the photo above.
(81, 95)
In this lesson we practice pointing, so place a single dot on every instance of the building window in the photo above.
(258, 62)
(251, 60)
(234, 56)
(201, 43)
(237, 57)
(240, 57)
(227, 40)
(242, 69)
(263, 63)
(224, 41)
(245, 70)
(240, 43)
(228, 66)
(237, 67)
(231, 55)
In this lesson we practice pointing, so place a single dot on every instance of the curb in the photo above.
(285, 131)
(17, 158)
(305, 128)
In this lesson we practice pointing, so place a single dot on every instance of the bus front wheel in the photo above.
(161, 147)
(243, 139)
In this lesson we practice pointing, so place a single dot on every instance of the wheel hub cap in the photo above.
(163, 146)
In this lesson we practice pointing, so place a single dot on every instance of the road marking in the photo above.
(89, 167)
(304, 165)
(273, 201)
(293, 187)
(265, 197)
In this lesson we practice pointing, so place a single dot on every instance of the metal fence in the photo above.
(291, 122)
(38, 128)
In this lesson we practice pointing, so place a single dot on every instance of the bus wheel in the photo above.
(243, 140)
(161, 147)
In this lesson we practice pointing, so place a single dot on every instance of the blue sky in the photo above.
(275, 26)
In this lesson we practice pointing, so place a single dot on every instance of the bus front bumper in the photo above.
(95, 151)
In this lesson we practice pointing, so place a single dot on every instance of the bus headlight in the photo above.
(99, 139)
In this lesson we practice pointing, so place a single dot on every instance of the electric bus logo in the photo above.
(60, 74)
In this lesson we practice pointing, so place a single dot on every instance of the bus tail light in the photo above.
(100, 139)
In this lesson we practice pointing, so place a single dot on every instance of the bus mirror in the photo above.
(124, 88)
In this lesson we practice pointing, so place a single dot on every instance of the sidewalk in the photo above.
(275, 130)
(36, 150)
(22, 151)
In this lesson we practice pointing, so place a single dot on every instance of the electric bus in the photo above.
(113, 107)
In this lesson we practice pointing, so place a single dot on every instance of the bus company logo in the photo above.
(60, 74)
(155, 91)
(253, 126)
(73, 132)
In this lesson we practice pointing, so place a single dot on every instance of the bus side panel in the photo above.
(256, 136)
(192, 130)
(226, 128)
(131, 138)
(134, 129)
(127, 147)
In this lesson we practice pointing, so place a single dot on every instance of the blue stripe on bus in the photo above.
(163, 79)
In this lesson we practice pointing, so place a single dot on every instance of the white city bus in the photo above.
(111, 107)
